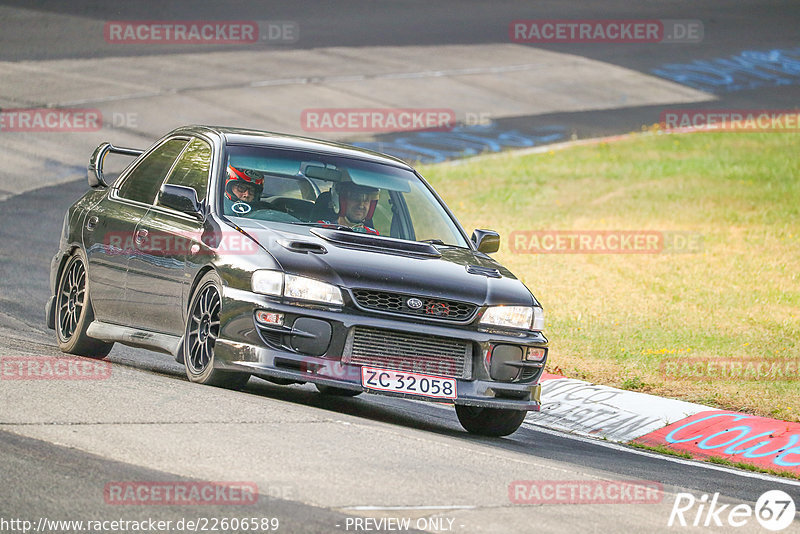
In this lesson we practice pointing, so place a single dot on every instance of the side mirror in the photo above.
(95, 169)
(180, 198)
(486, 241)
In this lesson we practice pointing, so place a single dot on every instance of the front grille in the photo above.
(430, 307)
(414, 353)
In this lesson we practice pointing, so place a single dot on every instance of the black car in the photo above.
(336, 266)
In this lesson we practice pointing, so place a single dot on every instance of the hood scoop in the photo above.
(388, 245)
(302, 247)
(489, 272)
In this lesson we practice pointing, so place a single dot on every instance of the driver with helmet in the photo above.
(243, 190)
(354, 206)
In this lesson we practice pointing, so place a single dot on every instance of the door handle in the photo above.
(92, 222)
(141, 235)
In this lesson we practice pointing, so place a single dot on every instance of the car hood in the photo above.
(354, 260)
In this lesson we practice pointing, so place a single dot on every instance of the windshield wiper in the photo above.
(440, 243)
(332, 226)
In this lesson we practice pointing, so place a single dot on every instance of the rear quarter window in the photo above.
(193, 167)
(142, 184)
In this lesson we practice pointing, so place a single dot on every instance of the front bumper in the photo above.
(246, 346)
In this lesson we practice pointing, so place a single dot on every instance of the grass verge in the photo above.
(624, 319)
(663, 449)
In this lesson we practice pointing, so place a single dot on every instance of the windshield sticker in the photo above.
(241, 208)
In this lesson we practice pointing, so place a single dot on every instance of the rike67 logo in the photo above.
(774, 510)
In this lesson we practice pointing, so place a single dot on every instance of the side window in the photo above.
(427, 221)
(192, 168)
(382, 218)
(142, 184)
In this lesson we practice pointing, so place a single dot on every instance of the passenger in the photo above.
(243, 191)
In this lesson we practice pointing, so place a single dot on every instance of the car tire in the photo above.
(200, 335)
(338, 392)
(74, 314)
(494, 422)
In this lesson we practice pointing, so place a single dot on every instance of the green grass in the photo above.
(751, 467)
(663, 449)
(614, 318)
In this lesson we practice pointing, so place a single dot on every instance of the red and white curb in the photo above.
(622, 416)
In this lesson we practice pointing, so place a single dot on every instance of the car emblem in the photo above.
(414, 303)
(241, 208)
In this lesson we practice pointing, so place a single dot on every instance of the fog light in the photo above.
(267, 317)
(501, 355)
(535, 354)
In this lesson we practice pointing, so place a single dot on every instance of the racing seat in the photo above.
(295, 207)
(322, 210)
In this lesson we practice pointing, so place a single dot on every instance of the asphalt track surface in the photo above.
(352, 23)
(59, 444)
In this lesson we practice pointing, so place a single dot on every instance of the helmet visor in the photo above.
(358, 196)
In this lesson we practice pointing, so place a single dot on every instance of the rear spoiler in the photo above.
(95, 169)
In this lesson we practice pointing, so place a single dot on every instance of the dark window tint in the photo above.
(143, 183)
(192, 168)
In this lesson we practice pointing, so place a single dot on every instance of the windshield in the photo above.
(305, 188)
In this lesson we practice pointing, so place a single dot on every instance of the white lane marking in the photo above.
(400, 75)
(289, 81)
(305, 80)
(113, 98)
(81, 75)
(622, 447)
(682, 461)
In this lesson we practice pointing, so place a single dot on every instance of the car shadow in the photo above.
(419, 415)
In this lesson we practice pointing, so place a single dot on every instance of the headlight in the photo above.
(300, 287)
(268, 282)
(295, 287)
(510, 316)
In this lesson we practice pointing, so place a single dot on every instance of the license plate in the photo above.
(413, 383)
